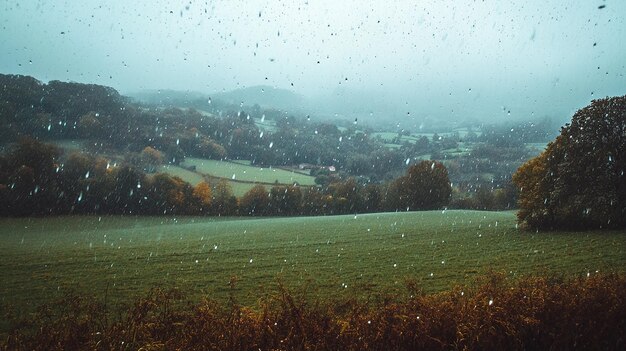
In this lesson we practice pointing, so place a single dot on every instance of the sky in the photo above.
(486, 60)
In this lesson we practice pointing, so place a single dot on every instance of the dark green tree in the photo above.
(425, 186)
(579, 182)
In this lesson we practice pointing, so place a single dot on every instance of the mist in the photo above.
(395, 61)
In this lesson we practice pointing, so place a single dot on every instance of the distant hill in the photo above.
(166, 97)
(265, 96)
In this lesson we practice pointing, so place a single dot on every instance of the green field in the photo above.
(190, 177)
(265, 125)
(246, 173)
(122, 257)
(70, 145)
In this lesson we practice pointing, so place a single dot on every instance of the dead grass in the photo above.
(493, 314)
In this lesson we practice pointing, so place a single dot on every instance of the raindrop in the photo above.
(261, 135)
(233, 176)
(250, 261)
(355, 121)
(271, 144)
(80, 196)
(407, 161)
(490, 302)
(177, 141)
(87, 175)
(263, 118)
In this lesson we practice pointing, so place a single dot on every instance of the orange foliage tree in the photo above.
(203, 195)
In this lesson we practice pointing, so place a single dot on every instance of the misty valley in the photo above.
(80, 163)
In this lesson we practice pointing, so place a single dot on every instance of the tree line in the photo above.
(36, 180)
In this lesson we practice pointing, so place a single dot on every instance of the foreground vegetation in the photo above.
(530, 314)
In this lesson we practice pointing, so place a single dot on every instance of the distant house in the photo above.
(304, 166)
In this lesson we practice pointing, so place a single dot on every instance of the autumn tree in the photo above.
(151, 158)
(255, 202)
(203, 195)
(170, 194)
(578, 182)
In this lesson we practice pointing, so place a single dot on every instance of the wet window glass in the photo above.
(312, 174)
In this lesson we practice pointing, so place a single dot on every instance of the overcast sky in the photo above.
(480, 59)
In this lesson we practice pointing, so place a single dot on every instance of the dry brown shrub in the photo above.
(495, 313)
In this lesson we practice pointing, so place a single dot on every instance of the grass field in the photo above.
(242, 172)
(122, 257)
(186, 175)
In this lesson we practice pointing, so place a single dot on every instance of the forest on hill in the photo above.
(126, 145)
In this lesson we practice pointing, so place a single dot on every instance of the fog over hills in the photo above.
(400, 62)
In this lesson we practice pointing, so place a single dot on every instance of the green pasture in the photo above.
(190, 177)
(119, 258)
(70, 145)
(240, 189)
(265, 125)
(246, 173)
